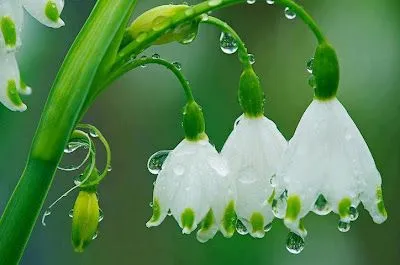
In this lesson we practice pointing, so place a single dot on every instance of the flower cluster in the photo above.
(259, 175)
(46, 12)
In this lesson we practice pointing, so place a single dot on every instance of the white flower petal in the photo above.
(10, 82)
(11, 22)
(253, 151)
(46, 12)
(328, 156)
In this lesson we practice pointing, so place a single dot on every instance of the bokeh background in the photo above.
(141, 114)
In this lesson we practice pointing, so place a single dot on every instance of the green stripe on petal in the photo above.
(257, 222)
(12, 93)
(9, 31)
(208, 221)
(187, 219)
(344, 207)
(380, 204)
(156, 211)
(51, 11)
(229, 219)
(293, 208)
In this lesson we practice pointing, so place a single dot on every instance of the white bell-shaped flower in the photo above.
(10, 84)
(46, 12)
(328, 167)
(194, 186)
(254, 151)
(11, 22)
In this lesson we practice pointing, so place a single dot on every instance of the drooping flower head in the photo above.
(193, 184)
(328, 166)
(254, 150)
(11, 24)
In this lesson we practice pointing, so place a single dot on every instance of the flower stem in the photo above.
(57, 122)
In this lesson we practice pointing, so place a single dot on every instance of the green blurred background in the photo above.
(141, 114)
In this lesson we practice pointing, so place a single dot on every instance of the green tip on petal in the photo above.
(344, 207)
(257, 223)
(51, 11)
(293, 208)
(380, 203)
(9, 31)
(156, 211)
(12, 93)
(187, 219)
(208, 221)
(229, 219)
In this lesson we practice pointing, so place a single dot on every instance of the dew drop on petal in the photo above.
(270, 2)
(155, 162)
(218, 165)
(289, 13)
(343, 226)
(294, 243)
(353, 213)
(101, 215)
(321, 206)
(310, 65)
(179, 170)
(241, 228)
(45, 215)
(228, 43)
(169, 213)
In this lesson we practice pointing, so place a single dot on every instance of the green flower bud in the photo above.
(193, 122)
(251, 96)
(160, 18)
(326, 72)
(85, 219)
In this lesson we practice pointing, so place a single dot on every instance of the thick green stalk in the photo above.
(59, 117)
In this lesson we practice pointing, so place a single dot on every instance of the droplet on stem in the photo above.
(289, 13)
(228, 43)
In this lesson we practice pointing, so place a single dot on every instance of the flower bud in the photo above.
(251, 96)
(160, 18)
(326, 72)
(193, 122)
(85, 219)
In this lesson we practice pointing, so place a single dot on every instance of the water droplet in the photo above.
(218, 165)
(179, 170)
(343, 226)
(252, 58)
(237, 121)
(71, 213)
(270, 2)
(228, 43)
(143, 58)
(109, 168)
(294, 243)
(279, 206)
(241, 228)
(204, 17)
(321, 206)
(151, 204)
(312, 82)
(214, 2)
(156, 56)
(46, 213)
(72, 147)
(268, 227)
(101, 215)
(155, 162)
(177, 65)
(250, 2)
(78, 180)
(189, 38)
(95, 236)
(189, 11)
(353, 213)
(289, 13)
(169, 213)
(310, 65)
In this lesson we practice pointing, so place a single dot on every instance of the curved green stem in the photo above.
(243, 54)
(143, 61)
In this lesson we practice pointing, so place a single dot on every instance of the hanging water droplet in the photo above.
(268, 227)
(294, 243)
(241, 228)
(93, 134)
(169, 213)
(71, 213)
(289, 13)
(179, 170)
(156, 56)
(353, 213)
(310, 65)
(78, 180)
(228, 43)
(321, 206)
(95, 236)
(143, 58)
(189, 38)
(151, 204)
(312, 82)
(270, 2)
(46, 213)
(250, 2)
(72, 147)
(252, 58)
(343, 226)
(155, 162)
(177, 65)
(101, 215)
(109, 168)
